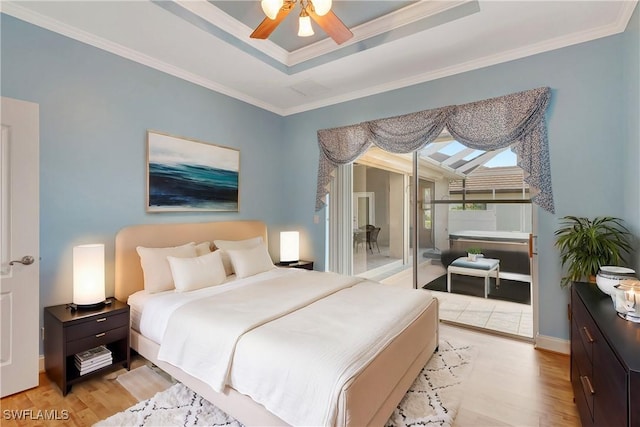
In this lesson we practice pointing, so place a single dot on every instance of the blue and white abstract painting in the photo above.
(189, 175)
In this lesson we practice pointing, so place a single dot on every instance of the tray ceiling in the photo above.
(395, 43)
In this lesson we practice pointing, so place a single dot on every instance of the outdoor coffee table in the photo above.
(482, 267)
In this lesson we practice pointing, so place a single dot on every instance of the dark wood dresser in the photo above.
(605, 360)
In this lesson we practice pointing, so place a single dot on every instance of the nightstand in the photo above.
(307, 265)
(68, 332)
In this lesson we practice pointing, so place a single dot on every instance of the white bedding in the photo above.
(294, 364)
(202, 335)
(320, 348)
(158, 307)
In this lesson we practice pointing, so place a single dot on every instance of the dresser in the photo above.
(67, 332)
(605, 360)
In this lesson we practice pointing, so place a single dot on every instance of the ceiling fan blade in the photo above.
(267, 25)
(332, 25)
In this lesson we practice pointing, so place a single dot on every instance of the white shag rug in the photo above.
(432, 400)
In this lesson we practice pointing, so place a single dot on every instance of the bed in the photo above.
(368, 388)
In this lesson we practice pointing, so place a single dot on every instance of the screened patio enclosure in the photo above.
(473, 200)
(459, 190)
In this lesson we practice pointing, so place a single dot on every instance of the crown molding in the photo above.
(394, 20)
(407, 15)
(545, 46)
(13, 9)
(28, 15)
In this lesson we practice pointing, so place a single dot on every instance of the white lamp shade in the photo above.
(321, 7)
(304, 28)
(271, 7)
(289, 246)
(88, 274)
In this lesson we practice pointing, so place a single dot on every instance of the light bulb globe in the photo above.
(271, 7)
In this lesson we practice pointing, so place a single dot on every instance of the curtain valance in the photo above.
(516, 119)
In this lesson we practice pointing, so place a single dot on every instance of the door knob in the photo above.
(26, 260)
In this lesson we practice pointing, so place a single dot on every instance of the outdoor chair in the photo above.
(372, 238)
(360, 236)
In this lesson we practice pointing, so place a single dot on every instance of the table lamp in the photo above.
(289, 247)
(88, 276)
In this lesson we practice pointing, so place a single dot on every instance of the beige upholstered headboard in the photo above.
(129, 278)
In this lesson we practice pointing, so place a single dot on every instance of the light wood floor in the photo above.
(511, 384)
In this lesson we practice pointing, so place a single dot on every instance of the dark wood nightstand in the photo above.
(68, 332)
(307, 265)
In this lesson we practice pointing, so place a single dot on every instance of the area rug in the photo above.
(143, 382)
(433, 399)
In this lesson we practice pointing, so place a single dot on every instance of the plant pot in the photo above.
(472, 257)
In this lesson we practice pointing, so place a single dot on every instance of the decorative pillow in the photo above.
(247, 262)
(190, 274)
(157, 273)
(225, 245)
(203, 248)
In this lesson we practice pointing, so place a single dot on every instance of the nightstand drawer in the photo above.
(97, 339)
(96, 325)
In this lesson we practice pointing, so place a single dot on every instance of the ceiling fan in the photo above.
(318, 10)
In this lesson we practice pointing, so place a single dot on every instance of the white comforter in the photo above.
(290, 339)
(201, 336)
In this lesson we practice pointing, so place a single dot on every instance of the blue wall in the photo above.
(631, 74)
(95, 109)
(589, 139)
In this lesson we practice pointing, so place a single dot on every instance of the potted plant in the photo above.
(472, 253)
(586, 245)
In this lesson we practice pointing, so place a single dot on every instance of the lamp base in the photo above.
(288, 262)
(82, 307)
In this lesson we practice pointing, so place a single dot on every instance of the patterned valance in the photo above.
(516, 119)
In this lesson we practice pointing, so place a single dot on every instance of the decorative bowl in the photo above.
(610, 275)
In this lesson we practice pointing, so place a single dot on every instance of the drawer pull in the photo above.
(101, 320)
(101, 335)
(588, 334)
(586, 384)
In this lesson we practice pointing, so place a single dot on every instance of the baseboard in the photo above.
(556, 345)
(41, 364)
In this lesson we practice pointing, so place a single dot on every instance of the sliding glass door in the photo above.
(378, 209)
(402, 219)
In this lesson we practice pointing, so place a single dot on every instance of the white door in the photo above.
(19, 246)
(364, 209)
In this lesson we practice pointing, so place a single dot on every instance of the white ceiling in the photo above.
(395, 44)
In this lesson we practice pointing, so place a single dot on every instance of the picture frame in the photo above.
(185, 174)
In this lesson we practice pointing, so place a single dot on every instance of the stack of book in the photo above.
(90, 360)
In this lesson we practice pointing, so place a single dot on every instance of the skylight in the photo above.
(506, 158)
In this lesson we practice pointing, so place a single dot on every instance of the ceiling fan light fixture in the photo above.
(271, 7)
(304, 25)
(321, 7)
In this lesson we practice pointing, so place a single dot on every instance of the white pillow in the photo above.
(190, 274)
(247, 262)
(157, 273)
(225, 245)
(203, 248)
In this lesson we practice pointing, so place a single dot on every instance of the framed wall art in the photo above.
(190, 175)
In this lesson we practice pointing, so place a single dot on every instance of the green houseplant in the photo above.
(472, 253)
(587, 244)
